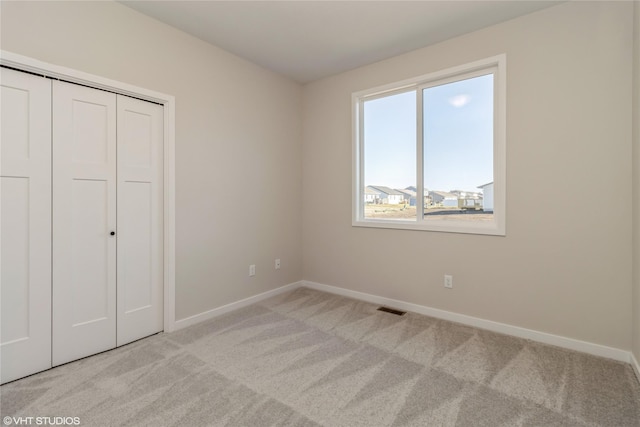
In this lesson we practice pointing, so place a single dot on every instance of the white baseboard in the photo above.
(503, 328)
(636, 365)
(192, 320)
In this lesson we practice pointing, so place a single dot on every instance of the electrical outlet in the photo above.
(252, 270)
(278, 264)
(448, 281)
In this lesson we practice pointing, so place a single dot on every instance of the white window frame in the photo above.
(498, 66)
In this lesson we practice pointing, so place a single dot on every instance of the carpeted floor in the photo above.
(308, 358)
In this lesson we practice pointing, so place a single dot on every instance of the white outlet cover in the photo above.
(448, 281)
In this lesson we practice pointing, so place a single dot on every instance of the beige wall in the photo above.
(565, 265)
(238, 130)
(636, 184)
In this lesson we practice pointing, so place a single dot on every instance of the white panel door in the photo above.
(25, 224)
(84, 218)
(140, 255)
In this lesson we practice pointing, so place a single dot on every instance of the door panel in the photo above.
(15, 259)
(84, 214)
(25, 224)
(140, 255)
(89, 125)
(137, 198)
(89, 250)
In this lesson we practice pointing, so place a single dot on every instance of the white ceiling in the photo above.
(309, 40)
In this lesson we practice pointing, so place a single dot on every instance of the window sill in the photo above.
(492, 228)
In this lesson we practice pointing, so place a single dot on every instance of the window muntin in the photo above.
(457, 157)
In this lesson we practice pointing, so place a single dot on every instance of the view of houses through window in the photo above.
(457, 152)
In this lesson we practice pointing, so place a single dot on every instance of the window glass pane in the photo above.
(458, 150)
(390, 157)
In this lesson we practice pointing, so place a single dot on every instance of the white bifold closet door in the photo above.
(25, 224)
(107, 221)
(84, 216)
(140, 205)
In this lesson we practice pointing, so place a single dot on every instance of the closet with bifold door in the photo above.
(81, 222)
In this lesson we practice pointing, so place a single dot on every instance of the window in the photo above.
(429, 152)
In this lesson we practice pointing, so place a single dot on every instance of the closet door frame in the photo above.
(31, 65)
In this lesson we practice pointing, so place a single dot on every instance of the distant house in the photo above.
(487, 196)
(443, 198)
(371, 195)
(461, 194)
(387, 195)
(408, 195)
(468, 199)
(427, 198)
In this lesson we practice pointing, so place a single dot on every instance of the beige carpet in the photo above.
(308, 358)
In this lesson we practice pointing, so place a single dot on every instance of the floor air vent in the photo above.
(392, 311)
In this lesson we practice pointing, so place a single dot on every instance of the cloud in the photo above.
(459, 101)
